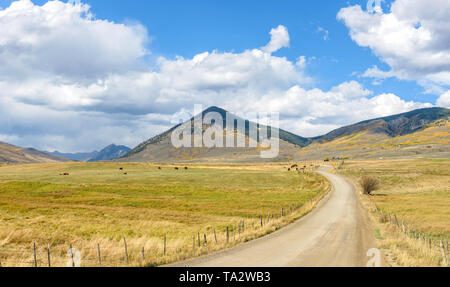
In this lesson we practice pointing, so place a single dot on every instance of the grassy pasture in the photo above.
(98, 204)
(417, 191)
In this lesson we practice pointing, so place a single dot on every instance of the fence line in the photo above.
(411, 233)
(53, 256)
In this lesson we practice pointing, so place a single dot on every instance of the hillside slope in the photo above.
(13, 154)
(160, 148)
(432, 139)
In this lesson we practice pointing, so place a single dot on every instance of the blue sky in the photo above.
(187, 28)
(134, 64)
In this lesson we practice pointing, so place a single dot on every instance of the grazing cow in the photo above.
(159, 167)
(66, 173)
(289, 169)
(125, 173)
(176, 168)
(121, 168)
(186, 168)
(294, 166)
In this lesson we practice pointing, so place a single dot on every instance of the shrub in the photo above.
(369, 184)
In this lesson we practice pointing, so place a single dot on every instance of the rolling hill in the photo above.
(412, 134)
(13, 154)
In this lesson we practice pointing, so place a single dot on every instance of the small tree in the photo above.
(369, 184)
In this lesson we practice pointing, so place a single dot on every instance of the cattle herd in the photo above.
(298, 168)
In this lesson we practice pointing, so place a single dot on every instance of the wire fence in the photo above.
(156, 252)
(431, 244)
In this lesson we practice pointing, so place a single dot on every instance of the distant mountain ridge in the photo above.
(110, 152)
(423, 131)
(80, 156)
(292, 146)
(395, 125)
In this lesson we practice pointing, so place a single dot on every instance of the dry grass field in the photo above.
(417, 191)
(98, 204)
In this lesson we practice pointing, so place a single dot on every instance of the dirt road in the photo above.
(336, 233)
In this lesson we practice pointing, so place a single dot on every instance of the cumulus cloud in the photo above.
(72, 82)
(444, 100)
(279, 39)
(314, 112)
(413, 38)
(65, 39)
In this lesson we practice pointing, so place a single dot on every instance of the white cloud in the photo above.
(279, 39)
(413, 38)
(79, 83)
(65, 39)
(444, 100)
(315, 112)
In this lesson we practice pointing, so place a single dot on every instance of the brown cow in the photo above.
(186, 168)
(121, 168)
(294, 166)
(176, 168)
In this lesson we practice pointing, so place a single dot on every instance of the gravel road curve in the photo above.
(336, 233)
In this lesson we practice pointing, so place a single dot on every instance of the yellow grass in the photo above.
(97, 204)
(417, 191)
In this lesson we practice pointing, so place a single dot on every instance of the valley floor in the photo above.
(164, 212)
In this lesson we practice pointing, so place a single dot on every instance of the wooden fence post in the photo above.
(143, 253)
(234, 233)
(447, 248)
(205, 242)
(443, 254)
(261, 221)
(34, 254)
(126, 249)
(48, 255)
(193, 243)
(228, 234)
(282, 212)
(199, 243)
(99, 255)
(243, 226)
(165, 243)
(71, 255)
(215, 235)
